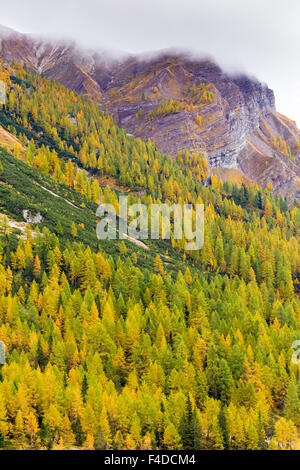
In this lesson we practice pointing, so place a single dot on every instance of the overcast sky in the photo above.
(260, 37)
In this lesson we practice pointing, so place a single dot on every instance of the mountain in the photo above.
(179, 102)
(117, 344)
(61, 60)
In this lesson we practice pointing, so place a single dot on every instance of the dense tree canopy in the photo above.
(103, 352)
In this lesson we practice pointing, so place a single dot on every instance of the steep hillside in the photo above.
(186, 104)
(10, 141)
(60, 60)
(113, 346)
(26, 195)
(181, 103)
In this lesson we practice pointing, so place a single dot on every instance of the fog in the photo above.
(259, 37)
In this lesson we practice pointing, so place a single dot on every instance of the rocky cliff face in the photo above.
(60, 60)
(215, 115)
(180, 103)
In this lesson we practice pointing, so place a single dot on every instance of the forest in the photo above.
(110, 346)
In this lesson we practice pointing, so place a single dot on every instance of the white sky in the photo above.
(260, 37)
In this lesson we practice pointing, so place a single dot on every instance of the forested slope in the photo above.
(113, 346)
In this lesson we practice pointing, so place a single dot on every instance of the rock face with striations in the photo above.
(231, 120)
(215, 113)
(180, 103)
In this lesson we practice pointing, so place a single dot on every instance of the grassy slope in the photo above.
(21, 187)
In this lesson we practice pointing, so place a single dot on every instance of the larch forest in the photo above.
(112, 346)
